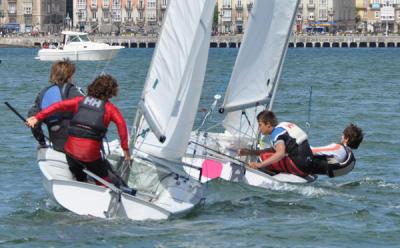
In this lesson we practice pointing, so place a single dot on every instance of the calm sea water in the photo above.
(361, 209)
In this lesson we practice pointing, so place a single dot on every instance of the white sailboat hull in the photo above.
(93, 200)
(79, 54)
(216, 155)
(211, 168)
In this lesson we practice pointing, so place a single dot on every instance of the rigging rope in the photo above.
(308, 123)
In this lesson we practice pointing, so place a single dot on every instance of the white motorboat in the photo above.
(252, 88)
(77, 46)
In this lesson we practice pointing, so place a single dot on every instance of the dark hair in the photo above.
(267, 117)
(61, 71)
(103, 87)
(354, 135)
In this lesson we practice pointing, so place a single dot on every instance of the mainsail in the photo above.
(175, 79)
(257, 68)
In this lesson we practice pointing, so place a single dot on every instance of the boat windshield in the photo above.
(84, 37)
(73, 38)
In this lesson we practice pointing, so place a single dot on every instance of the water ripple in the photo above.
(358, 210)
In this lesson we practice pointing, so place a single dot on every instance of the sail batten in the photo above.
(246, 105)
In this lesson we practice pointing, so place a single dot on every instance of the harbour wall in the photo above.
(297, 41)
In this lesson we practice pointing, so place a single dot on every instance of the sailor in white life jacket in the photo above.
(290, 151)
(337, 159)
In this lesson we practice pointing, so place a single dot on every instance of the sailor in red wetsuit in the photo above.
(91, 117)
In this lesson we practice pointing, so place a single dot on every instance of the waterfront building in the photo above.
(361, 15)
(32, 15)
(326, 16)
(382, 16)
(313, 15)
(137, 16)
(233, 15)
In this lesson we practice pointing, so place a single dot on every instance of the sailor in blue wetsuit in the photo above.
(60, 88)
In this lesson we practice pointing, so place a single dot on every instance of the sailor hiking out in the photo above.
(290, 151)
(337, 159)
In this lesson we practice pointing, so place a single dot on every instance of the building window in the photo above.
(240, 15)
(12, 8)
(323, 14)
(151, 4)
(116, 11)
(27, 7)
(28, 21)
(227, 3)
(116, 4)
(376, 14)
(116, 15)
(151, 13)
(106, 3)
(81, 4)
(106, 14)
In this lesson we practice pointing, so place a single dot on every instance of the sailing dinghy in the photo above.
(160, 134)
(251, 89)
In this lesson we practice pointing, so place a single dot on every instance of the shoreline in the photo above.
(296, 41)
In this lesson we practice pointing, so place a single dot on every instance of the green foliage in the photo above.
(216, 13)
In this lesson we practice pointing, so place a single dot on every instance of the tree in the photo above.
(215, 19)
(358, 18)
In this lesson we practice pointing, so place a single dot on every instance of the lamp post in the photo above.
(49, 9)
(220, 20)
(331, 15)
(387, 17)
(68, 22)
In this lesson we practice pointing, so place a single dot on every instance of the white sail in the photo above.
(258, 65)
(175, 79)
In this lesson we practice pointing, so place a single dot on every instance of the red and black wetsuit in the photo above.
(85, 149)
(298, 155)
